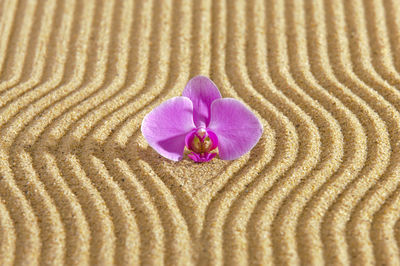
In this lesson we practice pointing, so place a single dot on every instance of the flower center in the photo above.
(201, 142)
(201, 145)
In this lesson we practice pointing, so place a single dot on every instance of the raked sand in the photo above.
(79, 185)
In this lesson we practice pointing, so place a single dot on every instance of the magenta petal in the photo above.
(166, 127)
(202, 92)
(237, 128)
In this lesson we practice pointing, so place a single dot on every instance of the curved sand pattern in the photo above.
(79, 185)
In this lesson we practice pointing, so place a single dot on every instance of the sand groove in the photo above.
(79, 185)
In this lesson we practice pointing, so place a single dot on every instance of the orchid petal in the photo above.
(237, 128)
(166, 127)
(202, 92)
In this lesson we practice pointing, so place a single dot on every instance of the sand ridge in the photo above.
(79, 185)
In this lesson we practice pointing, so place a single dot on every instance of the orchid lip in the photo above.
(201, 158)
(200, 142)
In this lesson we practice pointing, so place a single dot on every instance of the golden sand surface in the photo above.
(79, 184)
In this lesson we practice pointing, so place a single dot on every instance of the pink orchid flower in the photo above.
(202, 121)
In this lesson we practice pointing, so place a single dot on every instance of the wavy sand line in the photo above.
(27, 231)
(393, 25)
(152, 233)
(354, 136)
(53, 221)
(116, 203)
(77, 231)
(372, 201)
(50, 252)
(52, 227)
(235, 186)
(86, 127)
(42, 26)
(311, 125)
(17, 45)
(7, 235)
(75, 223)
(392, 116)
(95, 218)
(120, 210)
(310, 248)
(7, 17)
(331, 155)
(383, 231)
(170, 216)
(362, 243)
